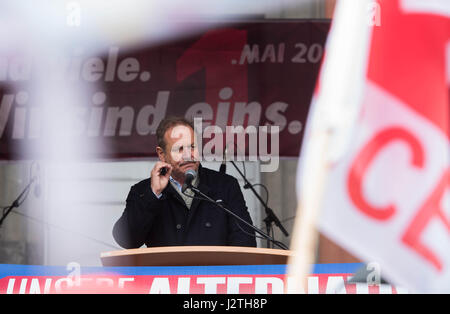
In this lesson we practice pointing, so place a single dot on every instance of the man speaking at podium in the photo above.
(158, 213)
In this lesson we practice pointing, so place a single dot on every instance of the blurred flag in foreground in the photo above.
(376, 153)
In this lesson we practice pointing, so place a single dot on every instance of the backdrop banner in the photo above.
(258, 74)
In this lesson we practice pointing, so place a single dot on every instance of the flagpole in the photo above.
(333, 113)
(305, 235)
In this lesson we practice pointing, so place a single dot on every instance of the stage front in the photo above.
(229, 279)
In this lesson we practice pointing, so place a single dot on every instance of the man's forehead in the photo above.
(180, 131)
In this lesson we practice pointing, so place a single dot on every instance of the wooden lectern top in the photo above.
(195, 256)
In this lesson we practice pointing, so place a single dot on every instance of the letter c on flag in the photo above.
(363, 160)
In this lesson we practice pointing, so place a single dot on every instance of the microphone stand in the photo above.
(219, 204)
(16, 202)
(271, 217)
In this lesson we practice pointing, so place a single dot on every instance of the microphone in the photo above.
(163, 171)
(223, 166)
(189, 176)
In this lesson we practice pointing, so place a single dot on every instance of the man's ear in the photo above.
(161, 154)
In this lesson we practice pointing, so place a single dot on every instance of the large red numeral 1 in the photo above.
(218, 52)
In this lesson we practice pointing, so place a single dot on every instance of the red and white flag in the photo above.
(386, 188)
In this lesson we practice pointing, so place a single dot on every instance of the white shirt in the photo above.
(178, 187)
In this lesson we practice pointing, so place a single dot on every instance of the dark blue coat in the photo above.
(168, 222)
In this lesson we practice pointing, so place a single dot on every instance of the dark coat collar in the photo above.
(203, 186)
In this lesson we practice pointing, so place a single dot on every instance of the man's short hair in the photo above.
(168, 123)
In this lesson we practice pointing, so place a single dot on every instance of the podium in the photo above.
(195, 256)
